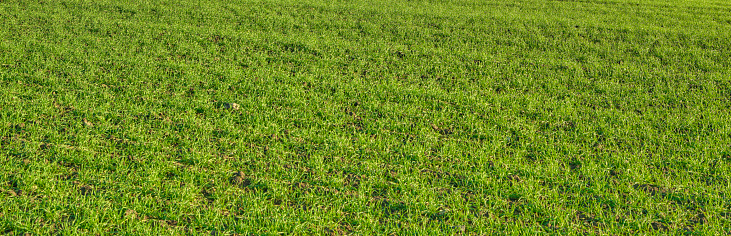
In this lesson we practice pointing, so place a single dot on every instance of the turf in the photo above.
(475, 117)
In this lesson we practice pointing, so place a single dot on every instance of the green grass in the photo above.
(474, 117)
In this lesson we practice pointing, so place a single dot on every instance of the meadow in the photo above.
(365, 117)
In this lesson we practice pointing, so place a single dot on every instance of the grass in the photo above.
(365, 117)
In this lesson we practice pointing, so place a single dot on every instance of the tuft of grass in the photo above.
(365, 117)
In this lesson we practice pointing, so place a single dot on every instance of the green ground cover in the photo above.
(365, 117)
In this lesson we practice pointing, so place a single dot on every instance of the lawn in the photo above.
(363, 117)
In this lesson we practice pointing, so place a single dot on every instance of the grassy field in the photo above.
(475, 117)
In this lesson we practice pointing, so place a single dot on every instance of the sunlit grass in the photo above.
(365, 117)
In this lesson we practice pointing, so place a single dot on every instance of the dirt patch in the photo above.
(232, 106)
(88, 123)
(659, 226)
(575, 164)
(130, 214)
(209, 194)
(513, 197)
(652, 189)
(442, 130)
(514, 178)
(587, 218)
(337, 231)
(12, 193)
(442, 214)
(352, 180)
(19, 128)
(277, 202)
(69, 176)
(302, 185)
(240, 179)
(84, 189)
(699, 218)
